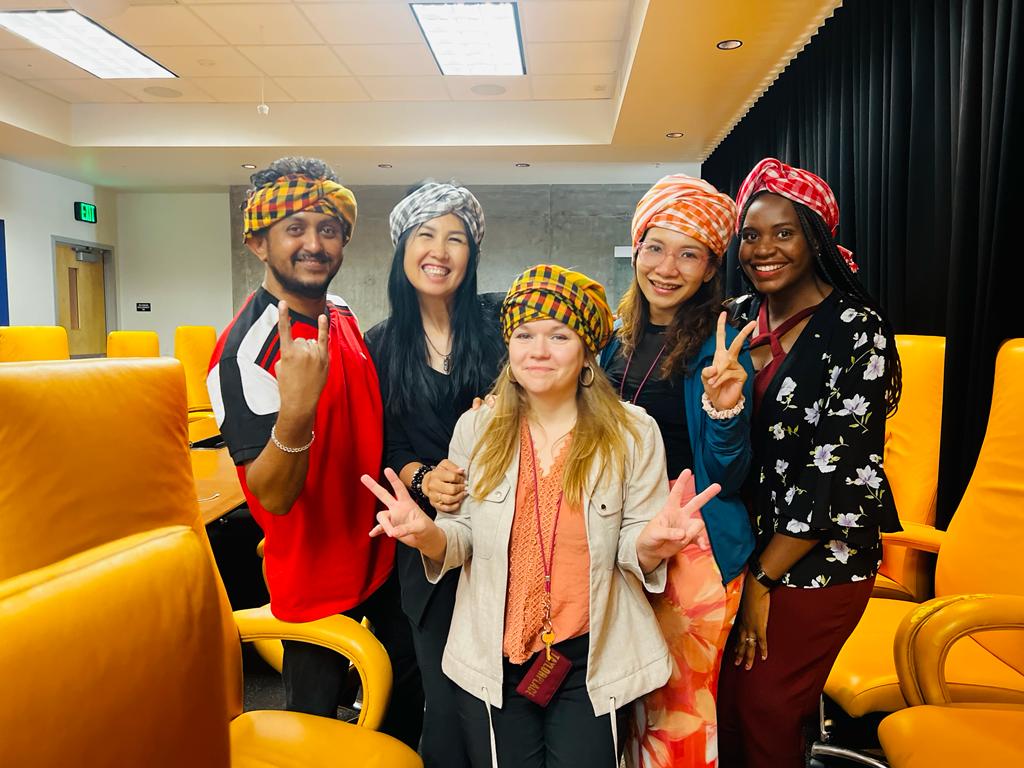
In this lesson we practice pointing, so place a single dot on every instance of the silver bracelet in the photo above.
(709, 409)
(282, 447)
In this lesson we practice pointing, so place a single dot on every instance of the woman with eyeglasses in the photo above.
(674, 355)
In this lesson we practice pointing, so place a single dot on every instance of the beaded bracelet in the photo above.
(709, 409)
(416, 486)
(287, 449)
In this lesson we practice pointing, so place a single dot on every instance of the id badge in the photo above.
(544, 677)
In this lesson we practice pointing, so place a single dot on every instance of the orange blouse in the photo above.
(570, 570)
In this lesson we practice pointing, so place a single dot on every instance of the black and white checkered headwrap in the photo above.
(433, 200)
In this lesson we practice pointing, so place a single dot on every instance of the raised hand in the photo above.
(445, 486)
(302, 367)
(676, 525)
(402, 517)
(723, 380)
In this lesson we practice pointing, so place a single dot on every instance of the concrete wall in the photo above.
(576, 226)
(173, 252)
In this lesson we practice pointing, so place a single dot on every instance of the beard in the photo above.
(316, 289)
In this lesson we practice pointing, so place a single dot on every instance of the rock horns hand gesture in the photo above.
(302, 367)
(724, 379)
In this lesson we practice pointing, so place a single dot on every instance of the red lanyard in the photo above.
(547, 634)
(629, 361)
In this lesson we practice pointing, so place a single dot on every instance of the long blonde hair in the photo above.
(598, 438)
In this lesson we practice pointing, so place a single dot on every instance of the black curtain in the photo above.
(910, 109)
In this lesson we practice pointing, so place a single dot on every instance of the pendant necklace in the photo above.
(446, 360)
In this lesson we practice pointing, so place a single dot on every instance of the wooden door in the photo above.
(81, 308)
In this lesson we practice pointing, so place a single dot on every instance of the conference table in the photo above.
(217, 488)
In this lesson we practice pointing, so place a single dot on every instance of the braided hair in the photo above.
(832, 267)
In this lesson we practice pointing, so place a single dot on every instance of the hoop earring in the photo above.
(508, 372)
(585, 382)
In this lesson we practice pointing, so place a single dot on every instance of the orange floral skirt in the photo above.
(676, 726)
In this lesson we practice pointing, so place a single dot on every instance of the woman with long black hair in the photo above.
(827, 375)
(440, 347)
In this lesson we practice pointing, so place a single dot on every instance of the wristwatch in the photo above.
(416, 486)
(761, 577)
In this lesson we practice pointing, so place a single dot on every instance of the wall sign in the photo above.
(143, 306)
(85, 212)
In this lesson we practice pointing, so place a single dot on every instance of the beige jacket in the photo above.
(628, 656)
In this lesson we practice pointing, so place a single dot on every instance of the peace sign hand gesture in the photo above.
(302, 367)
(677, 524)
(724, 379)
(403, 519)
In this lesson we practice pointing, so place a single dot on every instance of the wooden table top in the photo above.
(217, 486)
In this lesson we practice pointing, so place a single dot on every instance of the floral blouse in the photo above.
(818, 439)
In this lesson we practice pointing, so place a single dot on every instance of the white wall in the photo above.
(34, 206)
(174, 252)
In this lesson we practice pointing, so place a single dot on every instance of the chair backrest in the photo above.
(980, 552)
(133, 344)
(912, 452)
(20, 343)
(107, 583)
(193, 345)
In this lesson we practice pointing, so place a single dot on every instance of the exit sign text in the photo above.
(85, 212)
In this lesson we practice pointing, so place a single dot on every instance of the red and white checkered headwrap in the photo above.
(794, 184)
(689, 206)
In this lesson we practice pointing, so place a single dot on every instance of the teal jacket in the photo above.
(721, 454)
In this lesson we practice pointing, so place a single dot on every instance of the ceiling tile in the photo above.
(406, 88)
(91, 91)
(573, 20)
(232, 2)
(364, 23)
(565, 87)
(242, 89)
(190, 92)
(461, 88)
(331, 89)
(572, 58)
(203, 61)
(31, 5)
(161, 25)
(376, 60)
(259, 24)
(37, 64)
(295, 60)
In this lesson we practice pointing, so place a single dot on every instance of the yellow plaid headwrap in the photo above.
(548, 291)
(296, 192)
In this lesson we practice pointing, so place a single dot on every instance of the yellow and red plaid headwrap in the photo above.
(296, 192)
(548, 291)
(689, 206)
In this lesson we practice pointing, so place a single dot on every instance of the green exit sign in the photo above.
(85, 212)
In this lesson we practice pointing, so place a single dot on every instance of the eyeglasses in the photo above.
(686, 259)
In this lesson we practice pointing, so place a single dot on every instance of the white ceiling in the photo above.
(606, 79)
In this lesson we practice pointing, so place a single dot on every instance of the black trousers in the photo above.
(315, 677)
(565, 734)
(443, 745)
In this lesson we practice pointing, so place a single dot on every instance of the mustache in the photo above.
(307, 256)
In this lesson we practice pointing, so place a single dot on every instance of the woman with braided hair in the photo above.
(827, 375)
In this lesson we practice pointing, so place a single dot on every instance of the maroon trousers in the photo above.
(762, 711)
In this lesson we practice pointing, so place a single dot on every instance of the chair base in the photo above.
(824, 747)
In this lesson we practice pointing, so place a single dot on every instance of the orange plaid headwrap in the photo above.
(296, 192)
(689, 206)
(548, 291)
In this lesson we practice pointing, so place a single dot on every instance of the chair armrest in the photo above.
(925, 538)
(926, 634)
(341, 634)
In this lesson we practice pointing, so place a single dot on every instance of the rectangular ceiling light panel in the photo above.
(83, 42)
(473, 38)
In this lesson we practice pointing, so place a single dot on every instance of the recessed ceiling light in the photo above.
(674, 135)
(162, 91)
(728, 45)
(83, 42)
(250, 166)
(472, 38)
(522, 165)
(384, 165)
(488, 89)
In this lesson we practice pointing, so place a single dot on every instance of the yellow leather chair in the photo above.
(133, 344)
(977, 554)
(193, 346)
(935, 732)
(33, 342)
(912, 464)
(119, 647)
